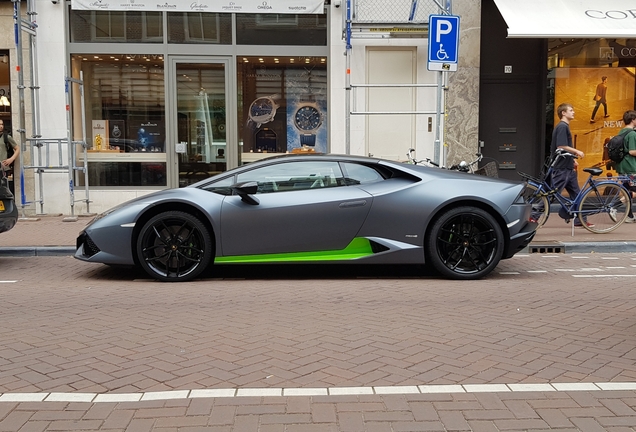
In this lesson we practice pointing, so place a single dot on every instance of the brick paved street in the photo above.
(72, 328)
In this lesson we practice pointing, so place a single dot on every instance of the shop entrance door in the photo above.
(198, 121)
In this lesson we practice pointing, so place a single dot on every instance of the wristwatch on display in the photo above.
(263, 110)
(308, 119)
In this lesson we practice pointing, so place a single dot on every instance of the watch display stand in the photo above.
(266, 141)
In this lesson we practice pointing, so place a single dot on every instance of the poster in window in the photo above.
(306, 91)
(145, 136)
(600, 97)
(116, 133)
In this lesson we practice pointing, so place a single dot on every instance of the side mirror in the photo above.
(245, 190)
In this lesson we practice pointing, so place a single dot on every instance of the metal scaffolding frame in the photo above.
(351, 17)
(40, 148)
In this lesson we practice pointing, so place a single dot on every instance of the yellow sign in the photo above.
(1, 206)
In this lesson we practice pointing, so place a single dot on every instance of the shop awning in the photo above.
(234, 6)
(569, 18)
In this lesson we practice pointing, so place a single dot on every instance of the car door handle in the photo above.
(348, 204)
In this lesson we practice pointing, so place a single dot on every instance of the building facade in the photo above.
(165, 98)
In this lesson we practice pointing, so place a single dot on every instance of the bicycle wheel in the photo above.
(540, 205)
(604, 207)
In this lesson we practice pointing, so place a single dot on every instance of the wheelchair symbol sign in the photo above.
(443, 42)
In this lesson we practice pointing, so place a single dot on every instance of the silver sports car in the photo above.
(317, 209)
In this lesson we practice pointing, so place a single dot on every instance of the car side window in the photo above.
(221, 187)
(357, 174)
(291, 176)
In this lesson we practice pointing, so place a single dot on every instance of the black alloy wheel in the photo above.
(174, 246)
(465, 243)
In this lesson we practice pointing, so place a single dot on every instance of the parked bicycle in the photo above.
(490, 169)
(411, 159)
(601, 206)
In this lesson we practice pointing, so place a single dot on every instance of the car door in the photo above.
(303, 206)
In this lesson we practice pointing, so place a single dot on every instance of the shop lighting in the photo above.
(4, 101)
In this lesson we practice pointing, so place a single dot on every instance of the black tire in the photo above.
(174, 246)
(597, 205)
(465, 243)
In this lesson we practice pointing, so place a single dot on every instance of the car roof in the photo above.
(289, 157)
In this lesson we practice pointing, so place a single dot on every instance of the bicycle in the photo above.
(410, 155)
(601, 205)
(463, 166)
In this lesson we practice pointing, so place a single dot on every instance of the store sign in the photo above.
(569, 19)
(223, 6)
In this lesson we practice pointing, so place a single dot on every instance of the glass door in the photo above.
(199, 122)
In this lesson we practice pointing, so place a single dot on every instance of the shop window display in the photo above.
(283, 106)
(598, 78)
(125, 119)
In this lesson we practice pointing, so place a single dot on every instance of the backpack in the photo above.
(616, 147)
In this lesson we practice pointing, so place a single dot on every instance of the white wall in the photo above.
(52, 58)
(425, 97)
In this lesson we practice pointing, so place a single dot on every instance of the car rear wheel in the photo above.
(465, 243)
(174, 246)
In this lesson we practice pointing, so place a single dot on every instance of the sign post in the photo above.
(443, 42)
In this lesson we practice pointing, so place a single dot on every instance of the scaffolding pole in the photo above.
(42, 163)
(445, 7)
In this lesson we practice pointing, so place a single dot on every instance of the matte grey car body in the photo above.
(317, 209)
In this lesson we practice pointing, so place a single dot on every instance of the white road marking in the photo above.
(293, 392)
(8, 281)
(604, 275)
(537, 271)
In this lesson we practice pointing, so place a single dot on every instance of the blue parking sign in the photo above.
(443, 42)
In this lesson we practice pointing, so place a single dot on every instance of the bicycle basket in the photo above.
(489, 170)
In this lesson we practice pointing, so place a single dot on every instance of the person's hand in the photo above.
(6, 162)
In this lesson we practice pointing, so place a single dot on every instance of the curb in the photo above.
(27, 251)
(581, 247)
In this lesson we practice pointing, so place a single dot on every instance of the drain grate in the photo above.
(545, 249)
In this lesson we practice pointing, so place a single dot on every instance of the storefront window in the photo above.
(200, 27)
(282, 105)
(281, 29)
(104, 26)
(125, 118)
(598, 78)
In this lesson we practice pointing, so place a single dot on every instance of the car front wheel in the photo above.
(465, 243)
(174, 246)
